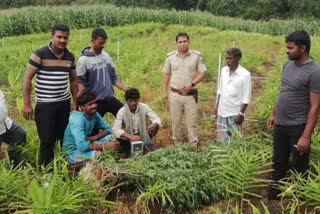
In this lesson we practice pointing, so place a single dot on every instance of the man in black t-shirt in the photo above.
(54, 67)
(296, 111)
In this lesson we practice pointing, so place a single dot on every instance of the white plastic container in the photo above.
(136, 148)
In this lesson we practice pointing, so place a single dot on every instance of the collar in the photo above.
(189, 52)
(137, 109)
(237, 71)
(64, 50)
(310, 59)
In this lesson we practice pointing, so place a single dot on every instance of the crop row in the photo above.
(40, 19)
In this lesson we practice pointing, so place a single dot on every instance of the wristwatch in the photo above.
(242, 114)
(193, 84)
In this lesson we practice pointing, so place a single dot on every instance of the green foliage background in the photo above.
(40, 19)
(252, 9)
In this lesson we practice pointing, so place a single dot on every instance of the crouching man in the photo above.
(10, 132)
(131, 122)
(78, 143)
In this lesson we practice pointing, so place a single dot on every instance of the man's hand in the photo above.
(28, 112)
(270, 122)
(92, 138)
(81, 89)
(303, 145)
(164, 97)
(74, 107)
(134, 138)
(239, 119)
(112, 145)
(187, 88)
(153, 129)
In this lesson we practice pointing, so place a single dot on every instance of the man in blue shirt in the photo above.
(78, 143)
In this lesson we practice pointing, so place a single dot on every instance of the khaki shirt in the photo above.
(183, 69)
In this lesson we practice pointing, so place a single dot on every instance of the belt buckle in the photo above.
(183, 93)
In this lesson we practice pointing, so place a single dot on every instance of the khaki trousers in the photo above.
(187, 104)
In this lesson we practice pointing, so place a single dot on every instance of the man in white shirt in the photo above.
(234, 93)
(10, 132)
(131, 121)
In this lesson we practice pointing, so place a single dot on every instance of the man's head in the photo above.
(182, 41)
(87, 103)
(233, 56)
(298, 44)
(59, 36)
(98, 39)
(132, 97)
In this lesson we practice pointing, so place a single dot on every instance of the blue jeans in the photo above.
(15, 135)
(148, 144)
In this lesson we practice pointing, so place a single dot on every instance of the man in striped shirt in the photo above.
(53, 66)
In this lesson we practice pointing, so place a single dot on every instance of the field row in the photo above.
(35, 20)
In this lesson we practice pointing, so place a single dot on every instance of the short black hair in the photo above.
(182, 34)
(132, 93)
(235, 52)
(299, 38)
(99, 32)
(61, 27)
(86, 97)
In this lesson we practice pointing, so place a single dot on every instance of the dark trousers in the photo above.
(124, 147)
(284, 140)
(51, 120)
(111, 105)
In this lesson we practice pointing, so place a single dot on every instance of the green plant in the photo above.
(302, 189)
(183, 168)
(238, 167)
(155, 192)
(13, 186)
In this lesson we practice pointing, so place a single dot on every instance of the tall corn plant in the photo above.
(237, 168)
(40, 19)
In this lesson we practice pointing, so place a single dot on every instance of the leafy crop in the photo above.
(302, 190)
(181, 167)
(238, 168)
(26, 190)
(197, 177)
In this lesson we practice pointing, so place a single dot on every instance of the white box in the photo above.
(136, 148)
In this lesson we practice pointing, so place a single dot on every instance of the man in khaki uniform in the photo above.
(184, 68)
